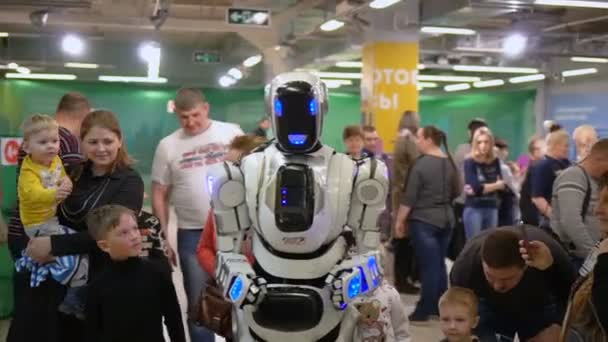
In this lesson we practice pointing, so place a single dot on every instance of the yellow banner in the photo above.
(388, 87)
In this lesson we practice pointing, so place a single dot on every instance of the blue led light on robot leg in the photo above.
(297, 139)
(237, 289)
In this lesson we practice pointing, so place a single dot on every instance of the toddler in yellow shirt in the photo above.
(43, 184)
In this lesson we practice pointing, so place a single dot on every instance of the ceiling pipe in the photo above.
(575, 23)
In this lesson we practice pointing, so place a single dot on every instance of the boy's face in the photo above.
(43, 146)
(457, 323)
(124, 241)
(354, 144)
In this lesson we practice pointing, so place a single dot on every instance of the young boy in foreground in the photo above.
(458, 315)
(131, 297)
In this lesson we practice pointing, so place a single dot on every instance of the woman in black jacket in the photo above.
(105, 178)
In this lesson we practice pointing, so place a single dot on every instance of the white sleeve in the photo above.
(161, 170)
(399, 318)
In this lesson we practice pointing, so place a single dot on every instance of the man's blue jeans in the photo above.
(477, 219)
(431, 247)
(195, 278)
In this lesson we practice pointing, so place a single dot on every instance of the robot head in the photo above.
(297, 102)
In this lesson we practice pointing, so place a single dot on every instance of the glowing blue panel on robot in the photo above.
(236, 291)
(372, 265)
(297, 139)
(312, 107)
(354, 286)
(278, 107)
(210, 185)
(364, 285)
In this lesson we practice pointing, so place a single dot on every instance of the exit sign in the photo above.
(206, 57)
(245, 16)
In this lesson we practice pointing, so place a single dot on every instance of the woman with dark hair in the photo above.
(433, 183)
(105, 178)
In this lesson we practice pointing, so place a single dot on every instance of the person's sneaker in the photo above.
(419, 320)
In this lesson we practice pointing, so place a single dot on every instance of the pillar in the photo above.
(390, 69)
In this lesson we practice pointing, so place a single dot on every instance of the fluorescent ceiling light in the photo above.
(13, 65)
(589, 59)
(337, 83)
(358, 64)
(331, 25)
(347, 75)
(489, 83)
(253, 60)
(81, 65)
(23, 70)
(483, 68)
(527, 78)
(349, 64)
(573, 3)
(235, 73)
(378, 4)
(457, 87)
(3, 34)
(579, 72)
(226, 81)
(478, 49)
(428, 84)
(72, 44)
(447, 30)
(442, 78)
(129, 79)
(65, 77)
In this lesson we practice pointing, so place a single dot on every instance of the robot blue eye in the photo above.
(236, 290)
(297, 139)
(284, 191)
(312, 107)
(354, 286)
(278, 107)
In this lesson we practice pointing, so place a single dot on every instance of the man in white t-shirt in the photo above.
(179, 172)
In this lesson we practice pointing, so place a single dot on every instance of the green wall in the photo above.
(144, 119)
(510, 115)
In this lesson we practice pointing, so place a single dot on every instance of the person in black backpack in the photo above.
(575, 195)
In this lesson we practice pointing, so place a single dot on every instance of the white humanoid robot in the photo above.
(301, 199)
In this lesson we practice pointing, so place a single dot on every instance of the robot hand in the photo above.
(238, 281)
(345, 285)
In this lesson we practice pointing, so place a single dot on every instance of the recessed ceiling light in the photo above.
(484, 68)
(488, 83)
(579, 72)
(573, 3)
(457, 87)
(447, 30)
(589, 59)
(527, 78)
(331, 25)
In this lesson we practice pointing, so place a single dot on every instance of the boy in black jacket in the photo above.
(129, 300)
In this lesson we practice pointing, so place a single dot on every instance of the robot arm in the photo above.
(227, 191)
(235, 276)
(368, 199)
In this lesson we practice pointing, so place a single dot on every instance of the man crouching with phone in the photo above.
(522, 277)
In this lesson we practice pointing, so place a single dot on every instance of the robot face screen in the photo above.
(296, 112)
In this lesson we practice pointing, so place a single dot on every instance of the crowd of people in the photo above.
(527, 236)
